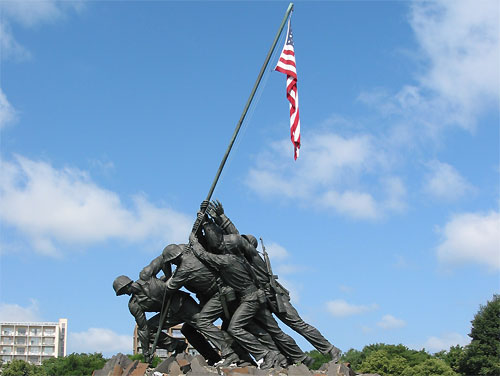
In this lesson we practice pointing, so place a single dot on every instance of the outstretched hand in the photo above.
(215, 208)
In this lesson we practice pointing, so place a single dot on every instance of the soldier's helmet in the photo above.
(120, 283)
(171, 251)
(213, 236)
(251, 239)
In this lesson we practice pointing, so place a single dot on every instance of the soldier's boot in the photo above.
(281, 361)
(308, 361)
(245, 360)
(335, 354)
(231, 358)
(270, 360)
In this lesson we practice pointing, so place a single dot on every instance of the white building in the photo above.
(33, 341)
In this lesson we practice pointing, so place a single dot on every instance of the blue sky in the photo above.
(114, 117)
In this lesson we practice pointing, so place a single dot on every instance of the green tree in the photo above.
(412, 357)
(482, 355)
(383, 363)
(430, 367)
(140, 358)
(19, 367)
(73, 365)
(319, 358)
(353, 357)
(452, 357)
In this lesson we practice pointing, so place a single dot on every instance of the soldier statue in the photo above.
(278, 296)
(148, 296)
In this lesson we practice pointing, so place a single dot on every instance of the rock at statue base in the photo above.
(199, 367)
(140, 370)
(175, 369)
(299, 370)
(113, 366)
(339, 369)
(164, 366)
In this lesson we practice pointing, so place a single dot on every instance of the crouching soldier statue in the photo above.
(148, 296)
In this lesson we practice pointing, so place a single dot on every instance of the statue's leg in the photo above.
(292, 319)
(204, 322)
(262, 335)
(164, 340)
(285, 343)
(241, 318)
(200, 343)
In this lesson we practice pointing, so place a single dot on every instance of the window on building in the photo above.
(7, 350)
(48, 331)
(6, 358)
(162, 353)
(35, 331)
(7, 330)
(177, 333)
(20, 340)
(34, 359)
(48, 350)
(20, 350)
(48, 341)
(7, 340)
(34, 341)
(21, 331)
(34, 350)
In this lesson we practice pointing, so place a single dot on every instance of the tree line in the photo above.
(480, 357)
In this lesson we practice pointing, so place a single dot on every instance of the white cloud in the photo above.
(283, 269)
(391, 322)
(444, 342)
(9, 47)
(29, 14)
(341, 308)
(33, 13)
(353, 204)
(460, 40)
(330, 174)
(471, 238)
(51, 206)
(458, 48)
(445, 183)
(7, 112)
(346, 289)
(17, 313)
(276, 252)
(100, 340)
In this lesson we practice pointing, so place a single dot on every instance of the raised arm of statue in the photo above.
(216, 211)
(154, 267)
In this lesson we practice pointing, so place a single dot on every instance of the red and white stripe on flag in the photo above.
(286, 65)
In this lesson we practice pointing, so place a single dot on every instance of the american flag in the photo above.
(286, 65)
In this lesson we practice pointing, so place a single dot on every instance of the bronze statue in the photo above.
(232, 282)
(278, 296)
(147, 296)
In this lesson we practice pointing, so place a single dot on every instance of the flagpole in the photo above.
(224, 159)
(249, 101)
